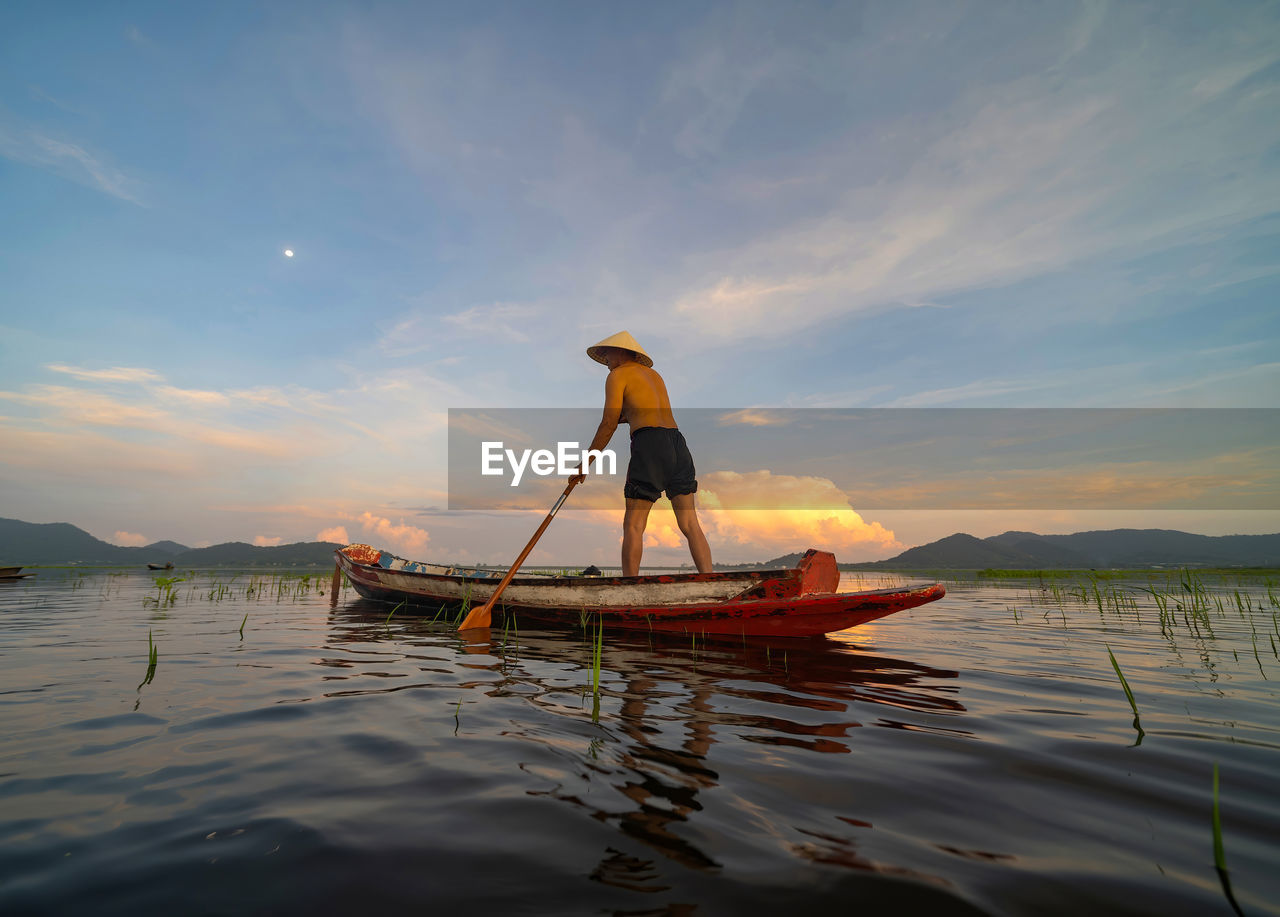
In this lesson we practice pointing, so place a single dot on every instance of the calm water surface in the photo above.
(977, 755)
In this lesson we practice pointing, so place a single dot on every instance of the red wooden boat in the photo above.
(799, 602)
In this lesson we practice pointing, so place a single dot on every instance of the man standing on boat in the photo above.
(635, 394)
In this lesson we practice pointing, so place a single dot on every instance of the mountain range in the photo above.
(29, 543)
(1112, 548)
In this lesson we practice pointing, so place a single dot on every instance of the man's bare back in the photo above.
(644, 399)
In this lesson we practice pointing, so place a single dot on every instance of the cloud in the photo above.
(263, 541)
(911, 188)
(231, 420)
(189, 452)
(1240, 481)
(1032, 177)
(86, 457)
(1227, 77)
(62, 407)
(114, 374)
(129, 539)
(337, 534)
(844, 532)
(70, 160)
(707, 89)
(486, 427)
(810, 512)
(499, 318)
(759, 534)
(401, 537)
(170, 393)
(75, 406)
(754, 417)
(422, 330)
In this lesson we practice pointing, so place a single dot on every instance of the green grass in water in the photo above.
(153, 656)
(1137, 724)
(595, 672)
(1219, 856)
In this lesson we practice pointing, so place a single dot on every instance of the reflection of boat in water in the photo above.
(684, 723)
(11, 574)
(168, 566)
(797, 602)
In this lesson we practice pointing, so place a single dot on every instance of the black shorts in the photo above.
(660, 460)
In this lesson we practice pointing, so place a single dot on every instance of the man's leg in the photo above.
(687, 519)
(633, 523)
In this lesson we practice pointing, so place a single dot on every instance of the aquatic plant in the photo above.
(510, 624)
(595, 670)
(1137, 724)
(466, 604)
(387, 622)
(1219, 855)
(595, 658)
(165, 591)
(153, 656)
(1254, 638)
(242, 620)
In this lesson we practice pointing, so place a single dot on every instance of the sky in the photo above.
(801, 205)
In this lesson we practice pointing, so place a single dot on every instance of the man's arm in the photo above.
(613, 392)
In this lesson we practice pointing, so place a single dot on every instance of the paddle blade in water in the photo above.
(479, 617)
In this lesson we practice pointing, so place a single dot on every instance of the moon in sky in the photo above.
(288, 253)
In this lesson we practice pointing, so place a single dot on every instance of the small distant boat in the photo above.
(8, 574)
(168, 566)
(797, 602)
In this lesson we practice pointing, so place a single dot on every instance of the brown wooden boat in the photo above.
(798, 602)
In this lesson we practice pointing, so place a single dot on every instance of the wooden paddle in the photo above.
(481, 617)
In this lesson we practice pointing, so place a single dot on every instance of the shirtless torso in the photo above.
(640, 396)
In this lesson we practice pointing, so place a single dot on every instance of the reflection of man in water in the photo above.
(635, 394)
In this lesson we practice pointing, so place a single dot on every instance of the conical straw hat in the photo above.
(623, 340)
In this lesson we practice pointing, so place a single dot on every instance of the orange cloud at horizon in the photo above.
(809, 512)
(337, 534)
(401, 537)
(408, 538)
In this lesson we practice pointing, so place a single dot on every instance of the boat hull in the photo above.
(801, 602)
(13, 574)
